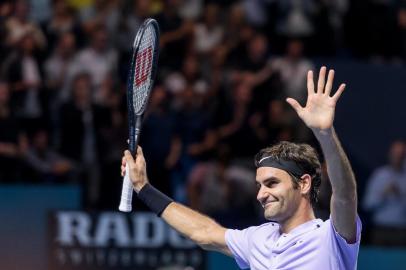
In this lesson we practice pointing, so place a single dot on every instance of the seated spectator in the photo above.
(385, 198)
(46, 165)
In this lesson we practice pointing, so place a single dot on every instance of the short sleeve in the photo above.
(238, 242)
(348, 253)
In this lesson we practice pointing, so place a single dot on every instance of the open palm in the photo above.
(320, 106)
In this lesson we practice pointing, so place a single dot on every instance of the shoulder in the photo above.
(329, 226)
(254, 232)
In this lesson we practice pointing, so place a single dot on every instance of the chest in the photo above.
(289, 252)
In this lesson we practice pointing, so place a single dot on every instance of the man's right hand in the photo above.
(137, 168)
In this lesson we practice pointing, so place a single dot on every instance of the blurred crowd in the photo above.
(225, 70)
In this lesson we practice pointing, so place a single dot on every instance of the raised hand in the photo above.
(318, 114)
(137, 168)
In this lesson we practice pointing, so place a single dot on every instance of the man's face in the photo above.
(277, 195)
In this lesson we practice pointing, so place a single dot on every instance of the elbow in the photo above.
(204, 237)
(203, 240)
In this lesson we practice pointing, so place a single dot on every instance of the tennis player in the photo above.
(288, 177)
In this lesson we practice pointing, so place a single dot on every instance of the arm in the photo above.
(199, 228)
(318, 115)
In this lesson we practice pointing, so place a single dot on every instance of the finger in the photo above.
(139, 150)
(295, 105)
(339, 92)
(128, 157)
(310, 83)
(322, 80)
(329, 83)
(122, 171)
(123, 161)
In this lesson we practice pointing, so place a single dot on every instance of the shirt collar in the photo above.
(304, 228)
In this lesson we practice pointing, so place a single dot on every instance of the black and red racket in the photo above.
(141, 78)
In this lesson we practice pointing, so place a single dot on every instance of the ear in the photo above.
(305, 184)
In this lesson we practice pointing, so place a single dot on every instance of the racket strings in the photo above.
(143, 68)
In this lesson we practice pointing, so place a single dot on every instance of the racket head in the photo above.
(142, 73)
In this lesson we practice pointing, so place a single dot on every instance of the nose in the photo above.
(262, 194)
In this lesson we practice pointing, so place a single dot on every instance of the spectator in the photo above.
(385, 198)
(195, 136)
(46, 165)
(83, 125)
(19, 25)
(209, 33)
(278, 123)
(191, 9)
(237, 123)
(292, 68)
(12, 139)
(190, 74)
(162, 148)
(256, 55)
(22, 70)
(295, 18)
(102, 12)
(98, 59)
(212, 185)
(59, 67)
(175, 34)
(63, 21)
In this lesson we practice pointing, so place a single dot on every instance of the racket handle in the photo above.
(126, 192)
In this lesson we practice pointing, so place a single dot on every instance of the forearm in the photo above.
(344, 198)
(199, 228)
(338, 166)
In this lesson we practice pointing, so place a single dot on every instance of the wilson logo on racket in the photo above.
(143, 66)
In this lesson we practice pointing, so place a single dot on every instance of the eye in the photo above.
(258, 185)
(271, 184)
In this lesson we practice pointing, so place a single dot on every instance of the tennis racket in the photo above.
(141, 78)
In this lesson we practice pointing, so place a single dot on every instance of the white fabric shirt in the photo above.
(312, 245)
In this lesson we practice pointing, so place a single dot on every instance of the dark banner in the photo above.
(111, 240)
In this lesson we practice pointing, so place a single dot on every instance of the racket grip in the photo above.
(126, 192)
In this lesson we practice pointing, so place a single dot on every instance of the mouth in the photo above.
(265, 205)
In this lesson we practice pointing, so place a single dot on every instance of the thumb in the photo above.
(295, 105)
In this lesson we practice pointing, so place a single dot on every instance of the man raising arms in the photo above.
(288, 178)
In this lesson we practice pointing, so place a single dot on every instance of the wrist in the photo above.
(322, 134)
(154, 199)
(138, 186)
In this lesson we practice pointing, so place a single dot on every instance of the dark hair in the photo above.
(305, 157)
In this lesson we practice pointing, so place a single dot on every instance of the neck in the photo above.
(303, 214)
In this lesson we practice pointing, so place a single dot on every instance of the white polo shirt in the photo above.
(314, 245)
